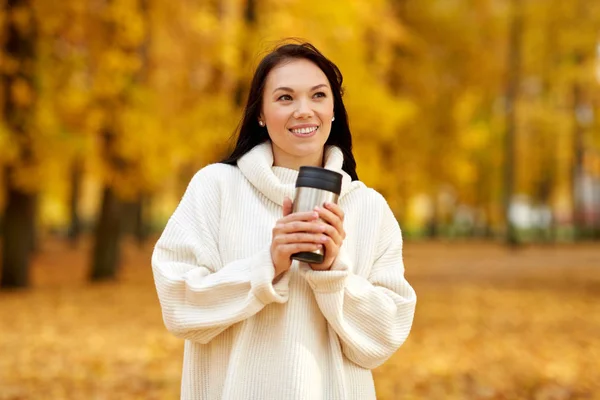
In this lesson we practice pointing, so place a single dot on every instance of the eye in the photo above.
(285, 97)
(320, 94)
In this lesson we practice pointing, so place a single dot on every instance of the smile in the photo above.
(304, 132)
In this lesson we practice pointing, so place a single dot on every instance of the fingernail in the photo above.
(328, 204)
(323, 238)
(315, 215)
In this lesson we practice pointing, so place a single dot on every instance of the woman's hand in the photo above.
(333, 215)
(293, 233)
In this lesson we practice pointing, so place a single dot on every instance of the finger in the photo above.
(331, 249)
(300, 237)
(329, 245)
(287, 206)
(300, 226)
(320, 267)
(299, 216)
(331, 219)
(332, 232)
(336, 209)
(292, 248)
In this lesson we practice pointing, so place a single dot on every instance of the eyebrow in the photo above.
(287, 89)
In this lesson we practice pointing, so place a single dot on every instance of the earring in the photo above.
(261, 123)
(333, 118)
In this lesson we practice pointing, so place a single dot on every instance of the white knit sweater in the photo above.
(311, 335)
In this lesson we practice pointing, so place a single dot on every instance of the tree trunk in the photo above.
(141, 226)
(433, 224)
(596, 213)
(33, 222)
(108, 238)
(577, 167)
(111, 220)
(75, 223)
(512, 85)
(250, 19)
(543, 198)
(17, 238)
(19, 216)
(133, 220)
(481, 189)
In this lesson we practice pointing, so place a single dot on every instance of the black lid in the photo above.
(320, 178)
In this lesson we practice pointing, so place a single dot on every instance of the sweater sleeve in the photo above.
(199, 297)
(371, 316)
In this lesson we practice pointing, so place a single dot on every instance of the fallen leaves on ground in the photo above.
(490, 324)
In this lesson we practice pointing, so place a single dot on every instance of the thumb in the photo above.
(287, 206)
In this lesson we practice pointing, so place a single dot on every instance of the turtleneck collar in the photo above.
(277, 182)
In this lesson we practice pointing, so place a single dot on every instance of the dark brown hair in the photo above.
(251, 134)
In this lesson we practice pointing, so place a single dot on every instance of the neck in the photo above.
(284, 160)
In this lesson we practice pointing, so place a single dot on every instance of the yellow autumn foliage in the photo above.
(425, 88)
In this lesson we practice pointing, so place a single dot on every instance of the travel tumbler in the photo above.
(314, 187)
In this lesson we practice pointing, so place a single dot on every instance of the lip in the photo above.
(302, 135)
(303, 126)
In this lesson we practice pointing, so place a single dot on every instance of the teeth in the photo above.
(304, 130)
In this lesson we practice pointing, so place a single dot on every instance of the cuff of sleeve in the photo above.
(332, 280)
(341, 262)
(262, 274)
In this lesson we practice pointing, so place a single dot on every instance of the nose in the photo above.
(303, 110)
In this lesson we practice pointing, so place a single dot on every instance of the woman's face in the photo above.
(297, 110)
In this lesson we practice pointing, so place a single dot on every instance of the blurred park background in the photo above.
(478, 120)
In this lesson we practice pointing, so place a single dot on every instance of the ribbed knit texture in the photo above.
(312, 334)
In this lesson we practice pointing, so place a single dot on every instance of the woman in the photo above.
(256, 324)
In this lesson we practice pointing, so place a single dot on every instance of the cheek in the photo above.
(277, 115)
(327, 108)
(327, 113)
